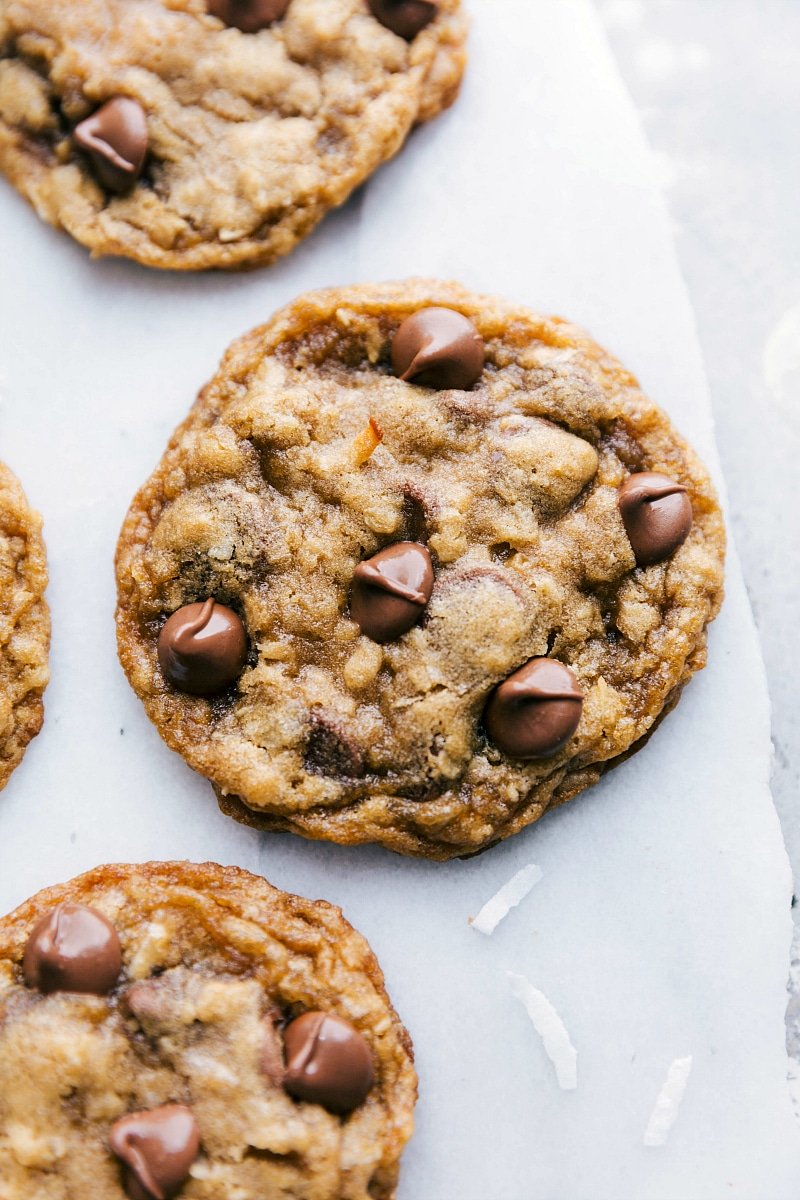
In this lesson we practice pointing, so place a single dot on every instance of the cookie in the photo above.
(181, 1030)
(24, 624)
(453, 562)
(213, 133)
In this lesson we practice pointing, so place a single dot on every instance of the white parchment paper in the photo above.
(660, 928)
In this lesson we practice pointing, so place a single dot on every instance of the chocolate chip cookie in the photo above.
(213, 133)
(419, 566)
(180, 1030)
(24, 623)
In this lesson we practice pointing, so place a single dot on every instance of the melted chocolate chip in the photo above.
(535, 711)
(415, 514)
(391, 589)
(327, 1062)
(73, 948)
(329, 751)
(142, 1000)
(115, 139)
(657, 515)
(202, 648)
(157, 1147)
(438, 348)
(404, 17)
(248, 15)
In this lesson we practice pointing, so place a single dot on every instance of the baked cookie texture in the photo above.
(251, 136)
(306, 456)
(24, 623)
(215, 965)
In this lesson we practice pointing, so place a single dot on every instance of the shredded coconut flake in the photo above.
(551, 1030)
(666, 1108)
(509, 896)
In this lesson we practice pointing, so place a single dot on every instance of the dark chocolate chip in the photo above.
(657, 514)
(158, 1147)
(535, 711)
(202, 648)
(248, 15)
(115, 139)
(438, 348)
(391, 589)
(73, 948)
(415, 513)
(329, 750)
(404, 17)
(327, 1062)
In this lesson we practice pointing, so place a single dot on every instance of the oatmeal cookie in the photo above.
(24, 624)
(419, 566)
(181, 1030)
(213, 133)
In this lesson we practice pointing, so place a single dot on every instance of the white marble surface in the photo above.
(715, 83)
(723, 123)
(660, 926)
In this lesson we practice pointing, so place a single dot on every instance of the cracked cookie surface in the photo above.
(306, 456)
(251, 137)
(213, 966)
(24, 623)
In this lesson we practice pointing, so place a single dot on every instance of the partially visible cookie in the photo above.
(179, 1030)
(419, 566)
(213, 133)
(24, 623)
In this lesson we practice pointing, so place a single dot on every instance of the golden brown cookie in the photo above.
(24, 624)
(415, 577)
(181, 1030)
(213, 133)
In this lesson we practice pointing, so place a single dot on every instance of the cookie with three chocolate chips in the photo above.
(180, 1030)
(24, 623)
(213, 133)
(419, 566)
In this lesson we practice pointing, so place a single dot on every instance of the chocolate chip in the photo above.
(327, 1062)
(115, 138)
(404, 17)
(157, 1146)
(535, 711)
(390, 590)
(202, 648)
(72, 948)
(248, 15)
(415, 514)
(149, 1001)
(438, 348)
(657, 515)
(329, 751)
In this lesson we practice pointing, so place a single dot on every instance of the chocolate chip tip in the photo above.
(202, 648)
(438, 348)
(328, 1062)
(535, 711)
(390, 591)
(656, 511)
(72, 948)
(115, 139)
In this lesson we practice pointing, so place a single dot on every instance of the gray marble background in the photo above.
(717, 83)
